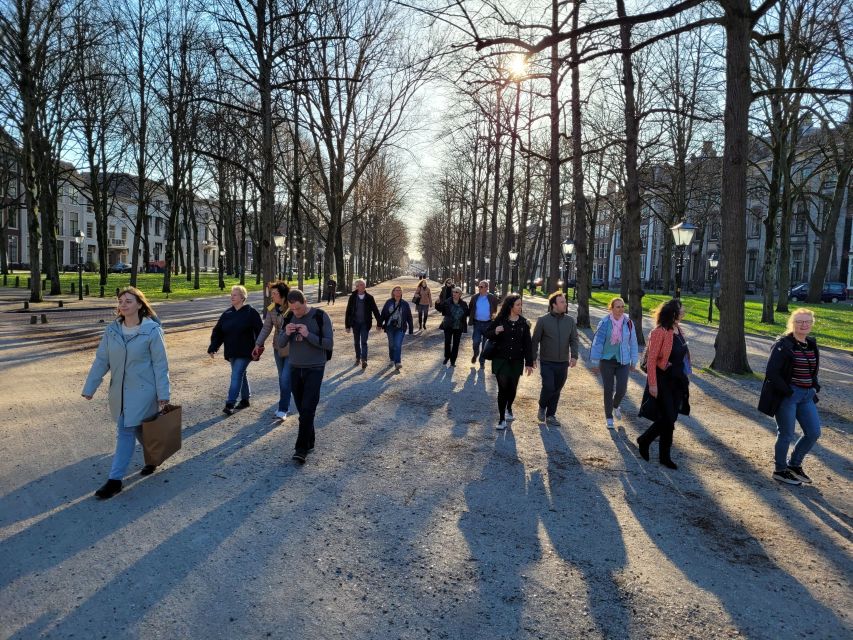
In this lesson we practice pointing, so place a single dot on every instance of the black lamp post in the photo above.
(221, 269)
(568, 251)
(713, 263)
(78, 239)
(320, 253)
(682, 235)
(513, 257)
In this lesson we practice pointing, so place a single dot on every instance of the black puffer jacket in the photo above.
(780, 369)
(238, 329)
(513, 343)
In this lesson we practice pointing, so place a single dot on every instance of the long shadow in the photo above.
(587, 534)
(53, 539)
(699, 537)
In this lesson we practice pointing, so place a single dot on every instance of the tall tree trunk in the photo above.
(554, 267)
(581, 250)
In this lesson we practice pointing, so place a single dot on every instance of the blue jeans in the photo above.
(126, 438)
(283, 366)
(239, 381)
(554, 376)
(799, 407)
(479, 339)
(395, 344)
(360, 332)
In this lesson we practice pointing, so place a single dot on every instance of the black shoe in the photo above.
(446, 360)
(147, 470)
(229, 409)
(243, 404)
(300, 455)
(644, 450)
(787, 477)
(110, 488)
(799, 474)
(474, 359)
(669, 464)
(364, 364)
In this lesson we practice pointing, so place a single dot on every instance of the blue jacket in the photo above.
(139, 371)
(627, 348)
(405, 315)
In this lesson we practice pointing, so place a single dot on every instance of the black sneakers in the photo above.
(110, 488)
(229, 409)
(787, 477)
(243, 404)
(147, 470)
(799, 474)
(300, 455)
(474, 358)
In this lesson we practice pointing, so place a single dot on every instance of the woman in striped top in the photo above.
(789, 394)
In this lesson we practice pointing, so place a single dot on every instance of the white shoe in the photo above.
(501, 425)
(617, 413)
(509, 416)
(281, 415)
(610, 423)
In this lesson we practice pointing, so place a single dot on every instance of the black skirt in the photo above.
(673, 397)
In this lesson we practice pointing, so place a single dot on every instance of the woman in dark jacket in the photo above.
(238, 328)
(789, 394)
(454, 324)
(446, 291)
(396, 316)
(512, 354)
(667, 391)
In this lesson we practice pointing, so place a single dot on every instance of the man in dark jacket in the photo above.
(482, 307)
(358, 319)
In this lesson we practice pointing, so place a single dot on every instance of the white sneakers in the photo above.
(501, 425)
(509, 416)
(610, 423)
(617, 413)
(281, 415)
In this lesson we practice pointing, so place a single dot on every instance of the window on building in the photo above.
(111, 233)
(60, 252)
(751, 262)
(618, 238)
(800, 221)
(158, 231)
(13, 249)
(796, 266)
(90, 253)
(617, 267)
(73, 223)
(75, 197)
(158, 248)
(90, 229)
(124, 233)
(715, 231)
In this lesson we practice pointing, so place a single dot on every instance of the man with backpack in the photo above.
(308, 331)
(557, 335)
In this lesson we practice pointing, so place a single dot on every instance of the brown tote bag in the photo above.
(161, 437)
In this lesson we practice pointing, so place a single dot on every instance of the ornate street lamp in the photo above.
(280, 244)
(347, 257)
(568, 248)
(682, 235)
(513, 256)
(221, 269)
(713, 263)
(78, 240)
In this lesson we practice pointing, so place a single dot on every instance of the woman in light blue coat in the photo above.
(133, 350)
(614, 354)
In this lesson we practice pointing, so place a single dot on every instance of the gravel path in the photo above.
(414, 518)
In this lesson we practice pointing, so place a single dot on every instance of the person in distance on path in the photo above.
(447, 290)
(454, 324)
(331, 291)
(238, 328)
(133, 350)
(358, 319)
(513, 353)
(613, 354)
(274, 323)
(310, 335)
(423, 297)
(396, 316)
(555, 344)
(482, 308)
(667, 391)
(789, 394)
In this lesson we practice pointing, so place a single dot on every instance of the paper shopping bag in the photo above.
(161, 436)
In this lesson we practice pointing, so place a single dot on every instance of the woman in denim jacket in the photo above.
(613, 355)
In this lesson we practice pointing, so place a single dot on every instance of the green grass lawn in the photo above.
(833, 322)
(151, 284)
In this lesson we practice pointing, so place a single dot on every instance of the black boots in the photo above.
(110, 488)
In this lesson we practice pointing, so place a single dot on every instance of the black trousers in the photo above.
(305, 386)
(663, 430)
(451, 344)
(507, 386)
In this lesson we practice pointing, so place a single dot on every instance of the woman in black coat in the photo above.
(454, 324)
(237, 328)
(789, 394)
(512, 354)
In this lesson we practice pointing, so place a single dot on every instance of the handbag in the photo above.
(161, 436)
(488, 351)
(417, 298)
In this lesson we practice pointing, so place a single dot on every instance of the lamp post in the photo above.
(78, 240)
(221, 267)
(468, 276)
(347, 257)
(280, 243)
(682, 235)
(568, 251)
(320, 254)
(513, 256)
(713, 263)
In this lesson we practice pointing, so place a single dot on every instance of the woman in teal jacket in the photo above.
(614, 354)
(133, 350)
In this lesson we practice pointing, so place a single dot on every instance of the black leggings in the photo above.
(423, 312)
(507, 386)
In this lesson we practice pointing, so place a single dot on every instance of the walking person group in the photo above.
(133, 350)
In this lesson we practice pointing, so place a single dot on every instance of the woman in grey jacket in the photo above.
(133, 350)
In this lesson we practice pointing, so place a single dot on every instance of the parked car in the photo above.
(120, 267)
(832, 292)
(155, 266)
(597, 283)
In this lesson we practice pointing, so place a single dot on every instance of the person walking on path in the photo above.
(483, 305)
(396, 316)
(789, 394)
(447, 290)
(238, 328)
(133, 350)
(613, 354)
(513, 354)
(274, 323)
(423, 301)
(358, 319)
(555, 343)
(667, 386)
(454, 324)
(331, 291)
(310, 336)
